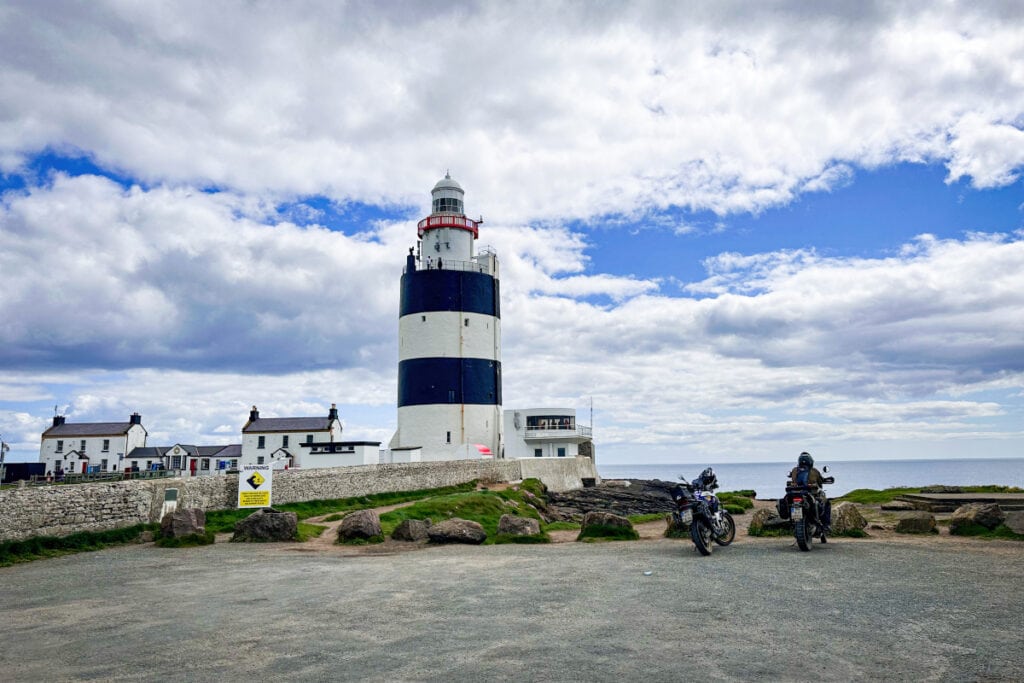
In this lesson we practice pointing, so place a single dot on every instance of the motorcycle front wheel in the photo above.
(802, 531)
(729, 530)
(701, 534)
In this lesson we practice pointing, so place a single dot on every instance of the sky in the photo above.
(733, 231)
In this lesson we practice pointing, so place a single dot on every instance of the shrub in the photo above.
(535, 538)
(39, 547)
(189, 541)
(601, 532)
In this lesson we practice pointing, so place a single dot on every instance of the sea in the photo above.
(768, 479)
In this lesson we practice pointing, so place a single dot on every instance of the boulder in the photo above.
(267, 524)
(514, 525)
(915, 523)
(359, 525)
(1015, 521)
(767, 519)
(184, 522)
(457, 530)
(898, 506)
(411, 530)
(846, 518)
(940, 488)
(986, 515)
(675, 528)
(605, 519)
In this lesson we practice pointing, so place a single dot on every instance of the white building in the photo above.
(96, 446)
(198, 461)
(545, 433)
(307, 442)
(449, 339)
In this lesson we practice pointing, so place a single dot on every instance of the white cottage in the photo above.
(90, 446)
(302, 442)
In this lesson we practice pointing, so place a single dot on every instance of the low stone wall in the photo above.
(63, 510)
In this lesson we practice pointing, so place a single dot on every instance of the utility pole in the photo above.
(3, 453)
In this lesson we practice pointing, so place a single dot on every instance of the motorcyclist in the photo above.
(806, 474)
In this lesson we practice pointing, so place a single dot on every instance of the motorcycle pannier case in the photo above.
(783, 508)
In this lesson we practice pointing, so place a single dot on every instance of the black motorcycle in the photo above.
(698, 507)
(804, 505)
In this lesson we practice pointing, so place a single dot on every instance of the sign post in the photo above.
(254, 486)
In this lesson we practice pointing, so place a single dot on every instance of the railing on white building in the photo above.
(576, 432)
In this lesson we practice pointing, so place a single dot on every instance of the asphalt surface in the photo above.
(760, 609)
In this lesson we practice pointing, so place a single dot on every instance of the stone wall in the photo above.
(63, 510)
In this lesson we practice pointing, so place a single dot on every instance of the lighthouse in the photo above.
(449, 339)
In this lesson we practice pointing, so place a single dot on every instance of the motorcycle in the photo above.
(698, 507)
(803, 505)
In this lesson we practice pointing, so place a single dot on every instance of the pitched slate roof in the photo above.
(288, 424)
(89, 429)
(147, 452)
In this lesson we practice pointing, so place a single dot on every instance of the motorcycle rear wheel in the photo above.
(730, 530)
(802, 532)
(701, 535)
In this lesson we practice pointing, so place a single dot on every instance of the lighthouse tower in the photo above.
(449, 338)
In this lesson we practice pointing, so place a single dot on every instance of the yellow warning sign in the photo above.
(254, 486)
(254, 499)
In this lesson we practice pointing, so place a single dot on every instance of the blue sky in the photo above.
(741, 231)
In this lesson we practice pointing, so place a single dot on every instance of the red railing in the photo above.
(448, 221)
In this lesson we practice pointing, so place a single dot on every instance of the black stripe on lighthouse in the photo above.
(430, 381)
(424, 291)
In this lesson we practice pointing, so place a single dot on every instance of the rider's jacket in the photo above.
(814, 477)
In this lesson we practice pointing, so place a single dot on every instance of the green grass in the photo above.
(224, 520)
(307, 531)
(876, 497)
(372, 540)
(976, 530)
(852, 533)
(535, 538)
(561, 526)
(597, 533)
(30, 549)
(189, 541)
(769, 533)
(483, 507)
(650, 517)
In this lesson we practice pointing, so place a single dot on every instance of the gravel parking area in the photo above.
(653, 609)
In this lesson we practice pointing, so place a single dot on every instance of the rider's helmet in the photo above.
(708, 479)
(805, 460)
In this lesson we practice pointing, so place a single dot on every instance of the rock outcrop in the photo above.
(987, 515)
(183, 522)
(915, 523)
(898, 506)
(267, 524)
(846, 519)
(361, 525)
(768, 520)
(623, 498)
(411, 530)
(514, 525)
(457, 530)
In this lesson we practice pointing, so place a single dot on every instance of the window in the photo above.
(284, 441)
(261, 442)
(176, 462)
(103, 465)
(466, 322)
(259, 460)
(204, 464)
(135, 464)
(537, 452)
(60, 446)
(309, 438)
(561, 452)
(448, 438)
(106, 445)
(234, 464)
(423, 318)
(451, 396)
(82, 447)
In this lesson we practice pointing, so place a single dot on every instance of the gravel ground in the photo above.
(650, 610)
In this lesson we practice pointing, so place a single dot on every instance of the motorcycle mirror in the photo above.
(825, 468)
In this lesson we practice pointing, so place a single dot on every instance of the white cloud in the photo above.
(553, 111)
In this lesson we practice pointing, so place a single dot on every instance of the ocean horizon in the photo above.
(768, 478)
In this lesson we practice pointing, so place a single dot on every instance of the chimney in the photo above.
(332, 414)
(58, 420)
(135, 419)
(254, 414)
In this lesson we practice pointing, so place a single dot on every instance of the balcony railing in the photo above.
(577, 432)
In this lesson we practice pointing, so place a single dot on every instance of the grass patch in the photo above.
(876, 497)
(596, 533)
(483, 507)
(224, 520)
(1002, 532)
(334, 518)
(762, 532)
(562, 526)
(30, 549)
(852, 533)
(190, 541)
(535, 538)
(307, 531)
(650, 517)
(372, 540)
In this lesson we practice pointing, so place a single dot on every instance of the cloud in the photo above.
(558, 111)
